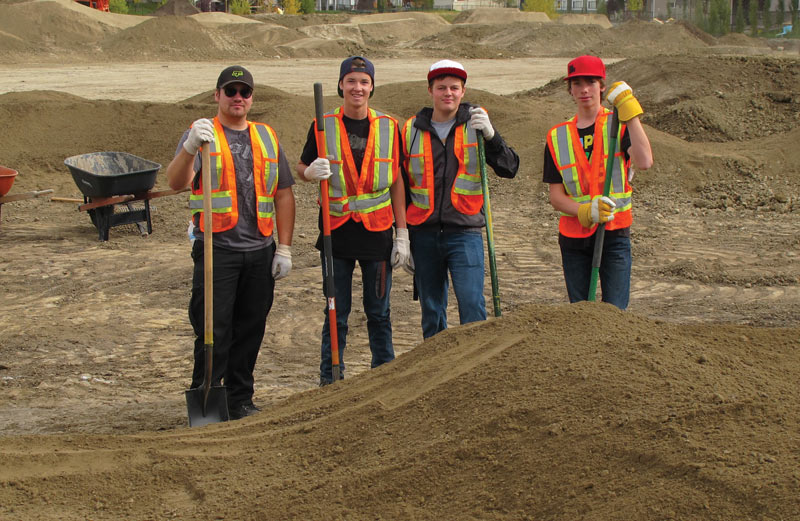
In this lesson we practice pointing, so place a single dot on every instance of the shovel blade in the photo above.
(202, 412)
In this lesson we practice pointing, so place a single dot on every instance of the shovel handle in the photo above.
(489, 226)
(600, 234)
(327, 246)
(208, 251)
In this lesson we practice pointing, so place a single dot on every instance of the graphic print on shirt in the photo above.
(588, 145)
(358, 144)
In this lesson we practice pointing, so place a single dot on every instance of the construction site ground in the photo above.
(683, 407)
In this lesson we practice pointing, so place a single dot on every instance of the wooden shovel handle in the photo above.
(208, 252)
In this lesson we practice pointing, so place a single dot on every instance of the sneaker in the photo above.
(242, 410)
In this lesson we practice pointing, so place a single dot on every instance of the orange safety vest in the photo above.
(584, 181)
(466, 194)
(363, 197)
(223, 180)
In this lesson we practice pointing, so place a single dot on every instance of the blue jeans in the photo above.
(437, 252)
(376, 278)
(615, 270)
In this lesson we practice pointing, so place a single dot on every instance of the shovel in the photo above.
(600, 234)
(207, 404)
(326, 238)
(489, 230)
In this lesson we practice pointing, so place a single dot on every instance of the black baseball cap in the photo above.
(356, 64)
(235, 74)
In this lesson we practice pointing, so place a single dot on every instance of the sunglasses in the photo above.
(245, 92)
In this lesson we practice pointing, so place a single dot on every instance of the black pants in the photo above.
(243, 291)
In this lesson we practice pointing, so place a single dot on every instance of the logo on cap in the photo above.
(236, 74)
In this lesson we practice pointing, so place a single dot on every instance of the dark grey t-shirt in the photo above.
(245, 235)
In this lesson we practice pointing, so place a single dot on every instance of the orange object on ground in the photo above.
(101, 5)
(7, 177)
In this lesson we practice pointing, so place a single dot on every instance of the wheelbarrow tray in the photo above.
(105, 174)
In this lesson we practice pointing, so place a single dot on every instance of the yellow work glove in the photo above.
(621, 96)
(599, 210)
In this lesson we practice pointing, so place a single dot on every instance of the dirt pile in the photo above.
(489, 15)
(543, 414)
(682, 408)
(176, 8)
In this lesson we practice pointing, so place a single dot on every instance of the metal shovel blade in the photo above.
(202, 410)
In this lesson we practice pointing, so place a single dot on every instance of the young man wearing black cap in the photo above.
(366, 197)
(252, 196)
(575, 167)
(445, 212)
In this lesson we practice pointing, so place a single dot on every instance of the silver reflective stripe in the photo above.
(216, 163)
(220, 200)
(269, 146)
(332, 140)
(415, 148)
(569, 175)
(617, 179)
(465, 186)
(471, 159)
(266, 208)
(371, 202)
(383, 169)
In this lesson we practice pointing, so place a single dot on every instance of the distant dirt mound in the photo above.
(218, 18)
(715, 98)
(499, 15)
(177, 8)
(425, 18)
(51, 26)
(585, 19)
(398, 31)
(170, 37)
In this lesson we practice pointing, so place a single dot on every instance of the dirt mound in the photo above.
(716, 98)
(177, 8)
(419, 17)
(585, 19)
(219, 18)
(51, 26)
(499, 15)
(676, 421)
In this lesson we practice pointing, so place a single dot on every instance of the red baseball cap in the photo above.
(586, 66)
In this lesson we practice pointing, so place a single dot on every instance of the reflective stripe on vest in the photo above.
(466, 194)
(419, 164)
(583, 180)
(265, 149)
(364, 197)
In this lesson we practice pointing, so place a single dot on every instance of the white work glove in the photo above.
(281, 262)
(318, 170)
(202, 131)
(600, 210)
(401, 250)
(409, 265)
(479, 120)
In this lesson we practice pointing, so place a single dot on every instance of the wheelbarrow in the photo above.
(107, 179)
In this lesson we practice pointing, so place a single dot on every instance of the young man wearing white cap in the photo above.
(445, 212)
(367, 196)
(575, 167)
(252, 196)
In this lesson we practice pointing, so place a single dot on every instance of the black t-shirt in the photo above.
(551, 175)
(351, 240)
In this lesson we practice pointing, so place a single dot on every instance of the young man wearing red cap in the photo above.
(445, 212)
(575, 167)
(366, 197)
(252, 196)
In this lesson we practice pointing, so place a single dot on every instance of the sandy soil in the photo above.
(684, 407)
